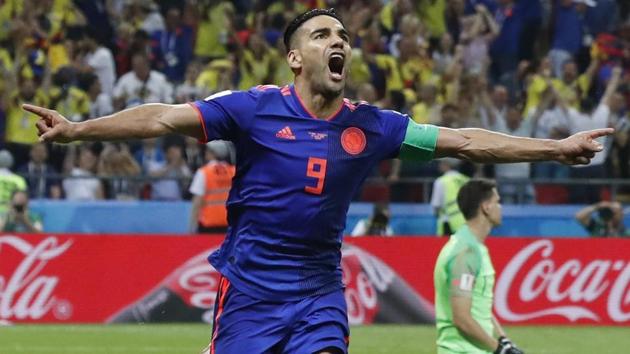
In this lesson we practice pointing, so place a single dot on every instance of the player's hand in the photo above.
(51, 126)
(507, 347)
(580, 148)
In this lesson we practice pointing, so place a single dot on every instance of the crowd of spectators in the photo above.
(541, 68)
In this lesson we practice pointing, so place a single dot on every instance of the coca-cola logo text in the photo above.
(27, 293)
(566, 287)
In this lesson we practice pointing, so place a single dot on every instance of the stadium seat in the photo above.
(551, 194)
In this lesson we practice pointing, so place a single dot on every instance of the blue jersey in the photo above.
(295, 177)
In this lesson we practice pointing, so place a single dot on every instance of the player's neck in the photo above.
(316, 103)
(480, 227)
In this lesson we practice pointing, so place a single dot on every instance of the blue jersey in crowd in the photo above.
(295, 177)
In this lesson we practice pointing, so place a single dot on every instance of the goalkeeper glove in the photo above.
(507, 347)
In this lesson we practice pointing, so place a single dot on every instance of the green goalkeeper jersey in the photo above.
(463, 268)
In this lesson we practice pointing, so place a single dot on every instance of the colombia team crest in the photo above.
(353, 140)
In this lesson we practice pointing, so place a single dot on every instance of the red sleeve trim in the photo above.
(203, 123)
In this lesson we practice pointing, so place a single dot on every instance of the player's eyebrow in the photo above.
(326, 31)
(323, 30)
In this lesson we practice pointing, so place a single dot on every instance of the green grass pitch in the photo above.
(385, 339)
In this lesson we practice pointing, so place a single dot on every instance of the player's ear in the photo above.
(294, 58)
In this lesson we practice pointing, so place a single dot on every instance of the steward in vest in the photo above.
(210, 188)
(444, 197)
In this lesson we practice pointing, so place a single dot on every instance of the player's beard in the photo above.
(329, 90)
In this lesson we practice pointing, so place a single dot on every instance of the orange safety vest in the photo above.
(218, 176)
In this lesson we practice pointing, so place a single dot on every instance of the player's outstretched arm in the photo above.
(144, 121)
(485, 146)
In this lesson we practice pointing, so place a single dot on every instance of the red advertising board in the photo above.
(123, 278)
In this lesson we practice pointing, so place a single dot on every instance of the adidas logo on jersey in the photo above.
(285, 133)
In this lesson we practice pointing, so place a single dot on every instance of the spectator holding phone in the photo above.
(19, 218)
(603, 219)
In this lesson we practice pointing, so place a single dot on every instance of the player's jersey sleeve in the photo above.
(226, 113)
(462, 270)
(394, 125)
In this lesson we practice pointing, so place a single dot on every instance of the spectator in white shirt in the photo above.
(82, 184)
(142, 85)
(589, 119)
(100, 102)
(99, 59)
(376, 225)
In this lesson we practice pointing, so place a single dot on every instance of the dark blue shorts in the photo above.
(243, 324)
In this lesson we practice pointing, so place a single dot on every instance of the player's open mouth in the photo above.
(335, 65)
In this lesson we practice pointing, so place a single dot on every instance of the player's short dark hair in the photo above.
(472, 194)
(300, 19)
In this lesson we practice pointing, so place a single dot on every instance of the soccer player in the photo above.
(302, 152)
(464, 279)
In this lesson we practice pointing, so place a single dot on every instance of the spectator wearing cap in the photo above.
(210, 188)
(9, 181)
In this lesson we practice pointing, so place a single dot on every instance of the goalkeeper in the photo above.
(464, 279)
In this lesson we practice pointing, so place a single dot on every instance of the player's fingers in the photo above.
(598, 133)
(41, 126)
(46, 137)
(40, 111)
(582, 160)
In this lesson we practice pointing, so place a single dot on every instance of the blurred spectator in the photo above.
(66, 98)
(144, 15)
(141, 85)
(512, 122)
(188, 90)
(570, 34)
(173, 46)
(593, 118)
(213, 29)
(427, 110)
(195, 154)
(21, 131)
(444, 197)
(376, 225)
(603, 219)
(443, 55)
(170, 175)
(100, 103)
(93, 56)
(533, 14)
(256, 62)
(151, 154)
(216, 77)
(19, 218)
(9, 181)
(39, 174)
(82, 184)
(432, 15)
(478, 31)
(210, 187)
(119, 166)
(97, 16)
(505, 48)
(621, 142)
